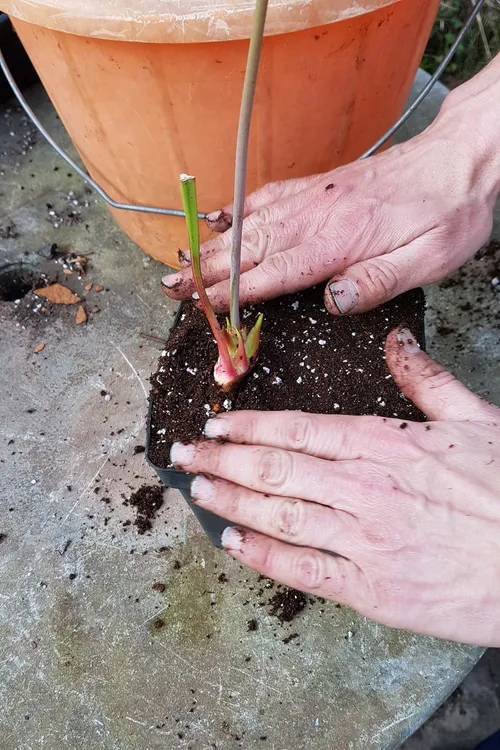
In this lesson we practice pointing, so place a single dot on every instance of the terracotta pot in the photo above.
(148, 100)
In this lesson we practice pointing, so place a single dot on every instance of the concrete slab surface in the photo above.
(90, 655)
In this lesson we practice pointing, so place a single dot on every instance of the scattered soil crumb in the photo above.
(8, 230)
(177, 565)
(223, 578)
(158, 623)
(39, 348)
(81, 316)
(147, 500)
(252, 625)
(139, 449)
(158, 587)
(290, 638)
(3, 537)
(286, 604)
(58, 294)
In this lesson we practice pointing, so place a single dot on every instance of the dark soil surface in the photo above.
(147, 500)
(308, 361)
(286, 604)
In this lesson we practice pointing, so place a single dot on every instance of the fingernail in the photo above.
(216, 428)
(345, 295)
(408, 341)
(196, 296)
(184, 257)
(232, 539)
(171, 280)
(215, 216)
(202, 490)
(181, 454)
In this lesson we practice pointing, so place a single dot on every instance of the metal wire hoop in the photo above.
(176, 212)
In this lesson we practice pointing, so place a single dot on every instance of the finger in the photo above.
(301, 568)
(256, 244)
(368, 284)
(283, 273)
(324, 436)
(432, 388)
(279, 472)
(286, 518)
(271, 193)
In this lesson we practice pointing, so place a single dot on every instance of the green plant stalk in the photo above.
(190, 204)
(240, 174)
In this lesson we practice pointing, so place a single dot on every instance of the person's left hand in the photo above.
(411, 511)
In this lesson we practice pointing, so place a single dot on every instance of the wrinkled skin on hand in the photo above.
(401, 219)
(411, 510)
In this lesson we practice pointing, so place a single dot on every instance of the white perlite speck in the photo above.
(276, 381)
(191, 370)
(299, 380)
(227, 405)
(295, 305)
(321, 342)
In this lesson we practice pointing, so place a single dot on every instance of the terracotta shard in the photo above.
(58, 294)
(81, 316)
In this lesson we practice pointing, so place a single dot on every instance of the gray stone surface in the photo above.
(81, 663)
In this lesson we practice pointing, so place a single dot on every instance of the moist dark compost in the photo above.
(309, 360)
(286, 604)
(147, 500)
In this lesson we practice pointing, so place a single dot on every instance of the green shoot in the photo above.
(237, 349)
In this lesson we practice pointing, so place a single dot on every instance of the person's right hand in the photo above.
(401, 219)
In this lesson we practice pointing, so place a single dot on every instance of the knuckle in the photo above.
(288, 517)
(274, 467)
(265, 552)
(299, 433)
(264, 215)
(255, 244)
(280, 267)
(310, 571)
(380, 277)
(231, 499)
(436, 379)
(275, 190)
(377, 535)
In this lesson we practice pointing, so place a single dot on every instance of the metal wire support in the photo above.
(175, 212)
(84, 175)
(430, 83)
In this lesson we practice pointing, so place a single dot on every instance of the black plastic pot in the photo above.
(212, 524)
(16, 58)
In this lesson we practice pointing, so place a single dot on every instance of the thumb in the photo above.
(433, 389)
(369, 283)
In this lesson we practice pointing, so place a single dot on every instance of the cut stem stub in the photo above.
(237, 347)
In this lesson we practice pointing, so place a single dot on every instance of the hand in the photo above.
(402, 219)
(411, 509)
